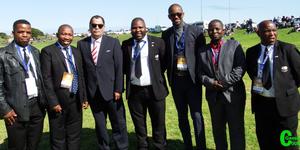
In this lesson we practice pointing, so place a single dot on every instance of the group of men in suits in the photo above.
(64, 80)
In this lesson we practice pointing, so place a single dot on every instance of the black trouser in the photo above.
(65, 127)
(140, 100)
(223, 112)
(26, 135)
(269, 124)
(116, 113)
(188, 95)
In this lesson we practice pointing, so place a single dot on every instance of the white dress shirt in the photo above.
(145, 79)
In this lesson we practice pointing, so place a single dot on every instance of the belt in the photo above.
(32, 100)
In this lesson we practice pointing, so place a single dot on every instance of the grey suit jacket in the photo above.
(232, 67)
(12, 82)
(107, 75)
(193, 39)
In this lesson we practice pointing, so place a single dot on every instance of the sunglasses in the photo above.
(100, 26)
(176, 14)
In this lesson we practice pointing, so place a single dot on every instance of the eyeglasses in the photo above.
(100, 26)
(176, 14)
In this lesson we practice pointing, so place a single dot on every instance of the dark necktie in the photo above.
(138, 65)
(74, 87)
(266, 76)
(26, 59)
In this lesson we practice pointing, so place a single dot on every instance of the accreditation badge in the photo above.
(181, 63)
(31, 86)
(257, 86)
(66, 81)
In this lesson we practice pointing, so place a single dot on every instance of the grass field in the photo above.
(173, 133)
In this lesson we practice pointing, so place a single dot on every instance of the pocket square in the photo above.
(107, 51)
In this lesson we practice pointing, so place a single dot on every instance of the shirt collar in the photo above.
(145, 39)
(97, 41)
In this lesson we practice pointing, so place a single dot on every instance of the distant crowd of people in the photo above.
(63, 80)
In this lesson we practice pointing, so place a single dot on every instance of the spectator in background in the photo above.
(222, 65)
(274, 68)
(22, 99)
(182, 42)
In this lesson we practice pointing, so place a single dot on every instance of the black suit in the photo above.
(64, 127)
(274, 115)
(151, 97)
(13, 96)
(186, 92)
(102, 80)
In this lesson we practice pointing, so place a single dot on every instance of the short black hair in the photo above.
(175, 4)
(63, 26)
(137, 19)
(20, 21)
(216, 20)
(96, 17)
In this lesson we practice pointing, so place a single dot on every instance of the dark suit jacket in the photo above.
(107, 75)
(53, 66)
(232, 67)
(194, 38)
(12, 82)
(285, 83)
(156, 65)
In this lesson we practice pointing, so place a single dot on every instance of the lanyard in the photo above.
(26, 66)
(136, 54)
(180, 43)
(261, 65)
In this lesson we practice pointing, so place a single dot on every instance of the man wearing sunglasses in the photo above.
(103, 62)
(182, 41)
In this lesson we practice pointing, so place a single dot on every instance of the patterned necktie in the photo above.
(266, 77)
(26, 59)
(94, 52)
(137, 56)
(74, 87)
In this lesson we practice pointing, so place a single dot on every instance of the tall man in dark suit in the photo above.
(103, 69)
(146, 88)
(64, 82)
(222, 65)
(274, 68)
(182, 41)
(22, 101)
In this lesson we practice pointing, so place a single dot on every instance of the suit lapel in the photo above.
(14, 52)
(172, 43)
(209, 58)
(86, 51)
(61, 56)
(151, 52)
(275, 56)
(101, 50)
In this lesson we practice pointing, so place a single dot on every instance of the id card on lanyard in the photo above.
(257, 82)
(29, 80)
(181, 60)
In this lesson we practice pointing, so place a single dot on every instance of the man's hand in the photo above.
(10, 117)
(217, 86)
(117, 95)
(57, 109)
(85, 104)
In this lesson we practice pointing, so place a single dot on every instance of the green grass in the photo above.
(173, 133)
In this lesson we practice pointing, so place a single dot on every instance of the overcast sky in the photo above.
(48, 15)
